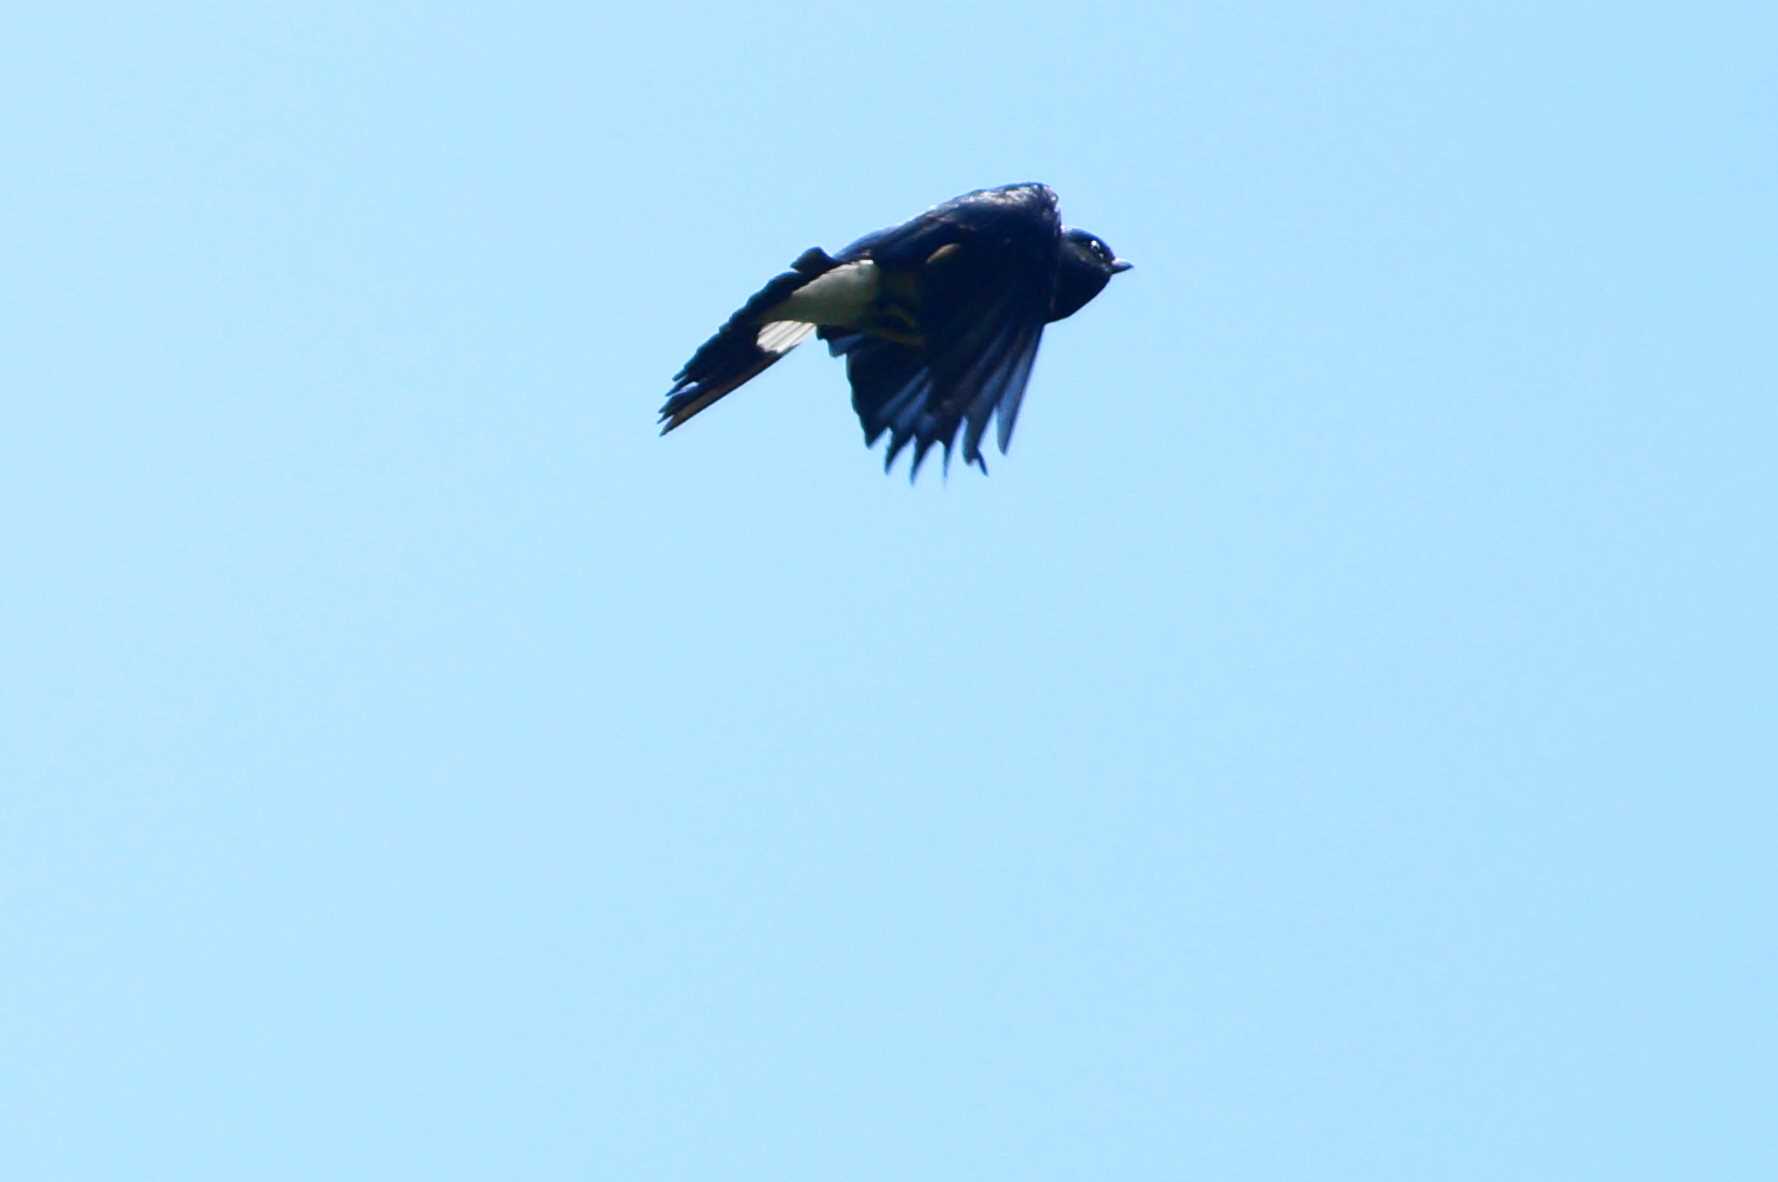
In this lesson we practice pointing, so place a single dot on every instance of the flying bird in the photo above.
(938, 319)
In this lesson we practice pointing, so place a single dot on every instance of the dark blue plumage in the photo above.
(939, 319)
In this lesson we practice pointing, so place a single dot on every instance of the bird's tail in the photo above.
(745, 347)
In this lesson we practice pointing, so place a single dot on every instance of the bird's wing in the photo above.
(986, 267)
(742, 348)
(891, 387)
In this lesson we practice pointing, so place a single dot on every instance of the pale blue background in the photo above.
(1337, 743)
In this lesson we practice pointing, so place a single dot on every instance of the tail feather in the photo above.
(735, 356)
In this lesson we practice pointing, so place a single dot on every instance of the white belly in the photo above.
(842, 297)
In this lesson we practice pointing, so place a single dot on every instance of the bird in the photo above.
(938, 318)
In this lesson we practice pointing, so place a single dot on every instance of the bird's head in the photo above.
(1087, 265)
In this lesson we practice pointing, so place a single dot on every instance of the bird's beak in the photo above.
(1119, 266)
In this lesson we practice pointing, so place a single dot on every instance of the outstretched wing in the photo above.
(891, 388)
(986, 266)
(743, 347)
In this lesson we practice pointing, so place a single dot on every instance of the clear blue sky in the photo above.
(1336, 743)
